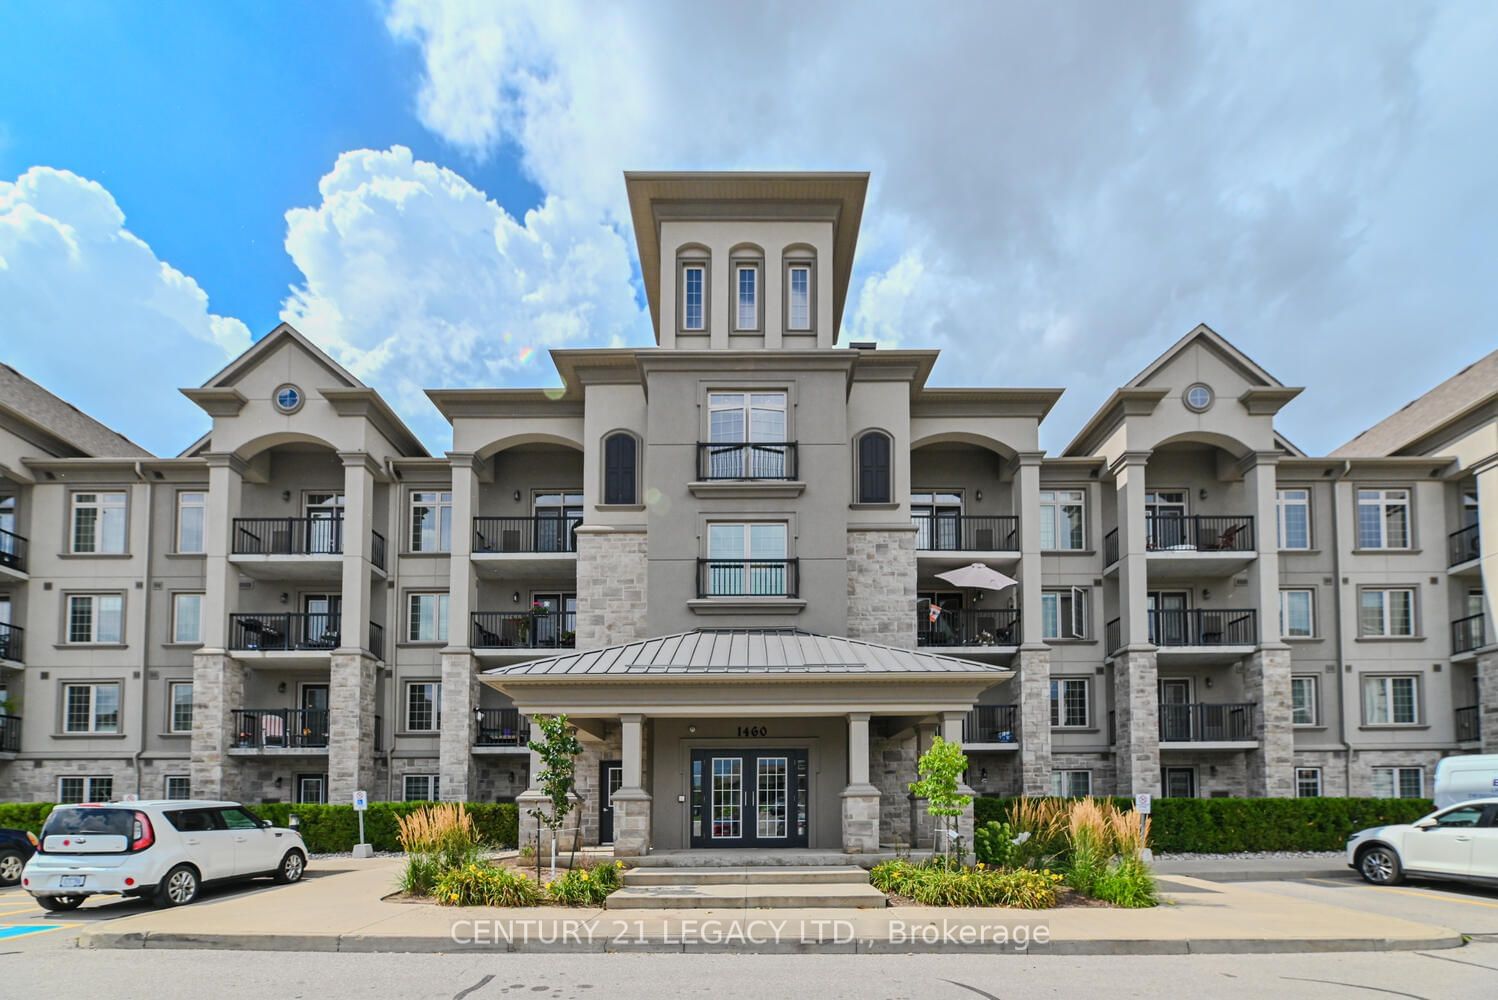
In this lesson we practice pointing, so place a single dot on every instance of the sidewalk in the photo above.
(1253, 869)
(341, 909)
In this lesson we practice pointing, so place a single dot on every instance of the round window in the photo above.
(288, 399)
(1199, 397)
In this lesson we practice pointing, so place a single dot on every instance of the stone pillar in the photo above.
(951, 731)
(217, 689)
(860, 799)
(881, 585)
(1034, 679)
(631, 802)
(612, 571)
(1266, 678)
(351, 720)
(1487, 689)
(533, 798)
(358, 520)
(460, 697)
(462, 583)
(1136, 706)
(921, 824)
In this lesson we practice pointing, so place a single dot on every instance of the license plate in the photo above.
(71, 881)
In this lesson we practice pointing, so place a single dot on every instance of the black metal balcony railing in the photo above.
(1198, 532)
(13, 550)
(966, 532)
(967, 627)
(1204, 627)
(526, 534)
(501, 727)
(1468, 727)
(1198, 723)
(10, 734)
(377, 640)
(379, 734)
(524, 629)
(1112, 635)
(1463, 544)
(991, 724)
(1469, 633)
(288, 536)
(280, 728)
(747, 578)
(377, 549)
(1110, 548)
(282, 631)
(12, 642)
(746, 460)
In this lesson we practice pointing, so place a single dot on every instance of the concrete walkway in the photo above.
(342, 909)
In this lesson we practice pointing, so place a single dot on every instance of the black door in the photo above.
(749, 798)
(611, 776)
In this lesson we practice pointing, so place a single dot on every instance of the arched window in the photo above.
(620, 468)
(875, 473)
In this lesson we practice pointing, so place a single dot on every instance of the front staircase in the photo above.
(812, 887)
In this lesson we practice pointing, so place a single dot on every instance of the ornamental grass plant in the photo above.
(436, 838)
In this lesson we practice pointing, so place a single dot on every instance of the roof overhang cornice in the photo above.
(1266, 401)
(1126, 402)
(989, 402)
(366, 403)
(217, 401)
(455, 404)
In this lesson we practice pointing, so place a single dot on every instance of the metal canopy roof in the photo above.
(769, 652)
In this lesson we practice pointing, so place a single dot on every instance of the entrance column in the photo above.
(631, 802)
(860, 798)
(951, 731)
(1136, 695)
(921, 827)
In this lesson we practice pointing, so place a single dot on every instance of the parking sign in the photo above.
(1142, 803)
(361, 800)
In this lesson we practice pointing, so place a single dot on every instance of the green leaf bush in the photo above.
(940, 884)
(586, 886)
(482, 884)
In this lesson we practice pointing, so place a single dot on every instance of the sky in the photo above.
(433, 191)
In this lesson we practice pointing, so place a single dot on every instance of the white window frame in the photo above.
(686, 324)
(1062, 780)
(107, 506)
(1068, 611)
(192, 500)
(1302, 774)
(1053, 503)
(1314, 683)
(439, 616)
(1310, 597)
(172, 688)
(178, 636)
(1396, 774)
(432, 782)
(93, 728)
(1386, 619)
(1285, 500)
(1384, 500)
(791, 305)
(435, 697)
(752, 267)
(95, 638)
(166, 787)
(1059, 686)
(1387, 683)
(440, 505)
(91, 785)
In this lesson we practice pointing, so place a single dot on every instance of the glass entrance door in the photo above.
(749, 798)
(613, 780)
(314, 715)
(324, 619)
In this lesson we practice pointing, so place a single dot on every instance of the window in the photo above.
(1297, 620)
(1303, 700)
(178, 787)
(740, 418)
(95, 618)
(187, 617)
(1391, 701)
(747, 560)
(620, 465)
(423, 706)
(1308, 782)
(431, 521)
(694, 296)
(746, 296)
(98, 522)
(288, 398)
(428, 618)
(1165, 523)
(312, 788)
(81, 789)
(874, 471)
(1061, 519)
(1069, 703)
(191, 510)
(1386, 613)
(1071, 784)
(1198, 397)
(1398, 783)
(557, 516)
(421, 788)
(1293, 518)
(91, 708)
(798, 296)
(1178, 783)
(1063, 614)
(179, 705)
(1383, 519)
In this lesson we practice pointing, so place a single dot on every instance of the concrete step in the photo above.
(799, 875)
(794, 858)
(740, 896)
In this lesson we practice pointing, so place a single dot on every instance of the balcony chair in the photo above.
(272, 730)
(1227, 541)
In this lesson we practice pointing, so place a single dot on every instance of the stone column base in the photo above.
(532, 798)
(1487, 686)
(860, 819)
(631, 822)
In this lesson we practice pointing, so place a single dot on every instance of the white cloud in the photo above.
(70, 272)
(1060, 191)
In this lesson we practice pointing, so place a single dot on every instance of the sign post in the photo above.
(361, 803)
(1142, 802)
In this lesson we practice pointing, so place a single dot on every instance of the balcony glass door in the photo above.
(1165, 520)
(324, 523)
(554, 617)
(324, 619)
(1168, 618)
(747, 559)
(938, 520)
(749, 798)
(557, 516)
(756, 422)
(314, 725)
(1175, 710)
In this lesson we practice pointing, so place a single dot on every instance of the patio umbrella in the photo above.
(978, 576)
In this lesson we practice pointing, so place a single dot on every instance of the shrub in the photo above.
(586, 886)
(419, 875)
(483, 884)
(24, 815)
(332, 828)
(937, 884)
(993, 844)
(1126, 882)
(1040, 827)
(443, 830)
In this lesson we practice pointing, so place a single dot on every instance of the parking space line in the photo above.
(1419, 894)
(25, 930)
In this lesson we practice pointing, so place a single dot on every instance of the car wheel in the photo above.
(293, 867)
(59, 903)
(1380, 865)
(179, 888)
(11, 864)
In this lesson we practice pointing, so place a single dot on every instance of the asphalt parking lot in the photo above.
(1470, 909)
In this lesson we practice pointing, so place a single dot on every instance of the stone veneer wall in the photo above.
(35, 779)
(881, 586)
(1005, 775)
(351, 700)
(1333, 764)
(1137, 718)
(217, 689)
(1103, 767)
(1266, 678)
(492, 781)
(588, 774)
(891, 770)
(1365, 761)
(1034, 680)
(1487, 689)
(612, 576)
(460, 693)
(1231, 777)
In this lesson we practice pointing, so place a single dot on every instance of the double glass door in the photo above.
(749, 798)
(1168, 621)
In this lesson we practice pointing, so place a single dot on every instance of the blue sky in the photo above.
(432, 191)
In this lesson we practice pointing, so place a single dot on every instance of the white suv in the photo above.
(1458, 842)
(162, 850)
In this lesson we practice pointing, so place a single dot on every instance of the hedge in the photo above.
(325, 828)
(1225, 826)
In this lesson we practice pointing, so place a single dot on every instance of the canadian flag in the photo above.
(935, 612)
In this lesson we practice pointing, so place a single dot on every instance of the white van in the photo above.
(1467, 776)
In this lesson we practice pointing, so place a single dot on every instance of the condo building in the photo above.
(726, 558)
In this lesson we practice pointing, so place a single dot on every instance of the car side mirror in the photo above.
(266, 824)
(1426, 824)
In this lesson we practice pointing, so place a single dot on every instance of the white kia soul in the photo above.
(165, 851)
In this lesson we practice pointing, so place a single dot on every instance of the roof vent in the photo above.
(863, 345)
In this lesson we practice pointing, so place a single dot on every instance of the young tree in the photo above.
(558, 748)
(940, 768)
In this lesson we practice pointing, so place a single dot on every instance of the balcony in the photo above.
(970, 630)
(773, 461)
(992, 726)
(12, 642)
(747, 578)
(295, 636)
(1468, 725)
(525, 547)
(295, 548)
(1463, 546)
(500, 729)
(1468, 634)
(1202, 635)
(10, 734)
(12, 555)
(521, 631)
(1206, 727)
(280, 729)
(946, 541)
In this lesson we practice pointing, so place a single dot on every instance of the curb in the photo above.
(1249, 875)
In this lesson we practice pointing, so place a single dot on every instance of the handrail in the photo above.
(526, 534)
(746, 460)
(747, 578)
(966, 532)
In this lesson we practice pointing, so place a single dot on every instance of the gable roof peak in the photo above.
(262, 349)
(1202, 333)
